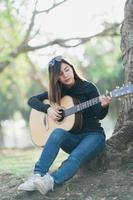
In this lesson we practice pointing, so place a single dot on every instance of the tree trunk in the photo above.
(119, 149)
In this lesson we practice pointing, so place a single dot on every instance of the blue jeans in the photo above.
(81, 148)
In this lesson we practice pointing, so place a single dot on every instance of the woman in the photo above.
(81, 145)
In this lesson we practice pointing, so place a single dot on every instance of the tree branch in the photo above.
(111, 31)
(36, 75)
(4, 64)
(24, 47)
(26, 37)
(51, 8)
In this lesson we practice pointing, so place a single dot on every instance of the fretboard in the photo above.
(81, 106)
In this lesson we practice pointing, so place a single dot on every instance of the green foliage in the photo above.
(21, 162)
(102, 64)
(15, 80)
(16, 88)
(10, 26)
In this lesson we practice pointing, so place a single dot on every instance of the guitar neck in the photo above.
(118, 92)
(81, 106)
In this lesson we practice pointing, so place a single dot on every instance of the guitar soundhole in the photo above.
(62, 115)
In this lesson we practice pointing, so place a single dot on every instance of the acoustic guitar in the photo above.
(41, 125)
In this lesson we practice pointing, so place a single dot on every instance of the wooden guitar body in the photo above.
(41, 125)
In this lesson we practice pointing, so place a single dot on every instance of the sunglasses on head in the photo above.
(56, 59)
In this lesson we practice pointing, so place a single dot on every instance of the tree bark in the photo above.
(119, 150)
(124, 125)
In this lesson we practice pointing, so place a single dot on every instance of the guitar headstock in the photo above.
(122, 91)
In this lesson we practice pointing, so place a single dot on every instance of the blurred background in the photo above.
(31, 33)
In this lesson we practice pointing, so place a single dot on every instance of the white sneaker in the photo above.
(29, 184)
(44, 184)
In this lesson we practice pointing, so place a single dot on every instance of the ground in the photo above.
(108, 185)
(111, 184)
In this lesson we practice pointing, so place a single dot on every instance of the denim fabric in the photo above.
(81, 148)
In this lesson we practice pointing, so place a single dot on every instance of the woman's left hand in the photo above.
(105, 100)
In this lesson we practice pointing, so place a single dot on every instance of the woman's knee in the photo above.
(58, 134)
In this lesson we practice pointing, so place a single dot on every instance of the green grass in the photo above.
(21, 162)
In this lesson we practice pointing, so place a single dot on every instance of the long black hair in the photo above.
(55, 86)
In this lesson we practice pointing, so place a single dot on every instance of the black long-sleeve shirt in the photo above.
(83, 91)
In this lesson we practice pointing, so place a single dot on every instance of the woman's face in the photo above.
(66, 76)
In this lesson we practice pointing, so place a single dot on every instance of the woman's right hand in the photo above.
(54, 113)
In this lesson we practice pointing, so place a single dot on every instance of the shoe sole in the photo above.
(26, 189)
